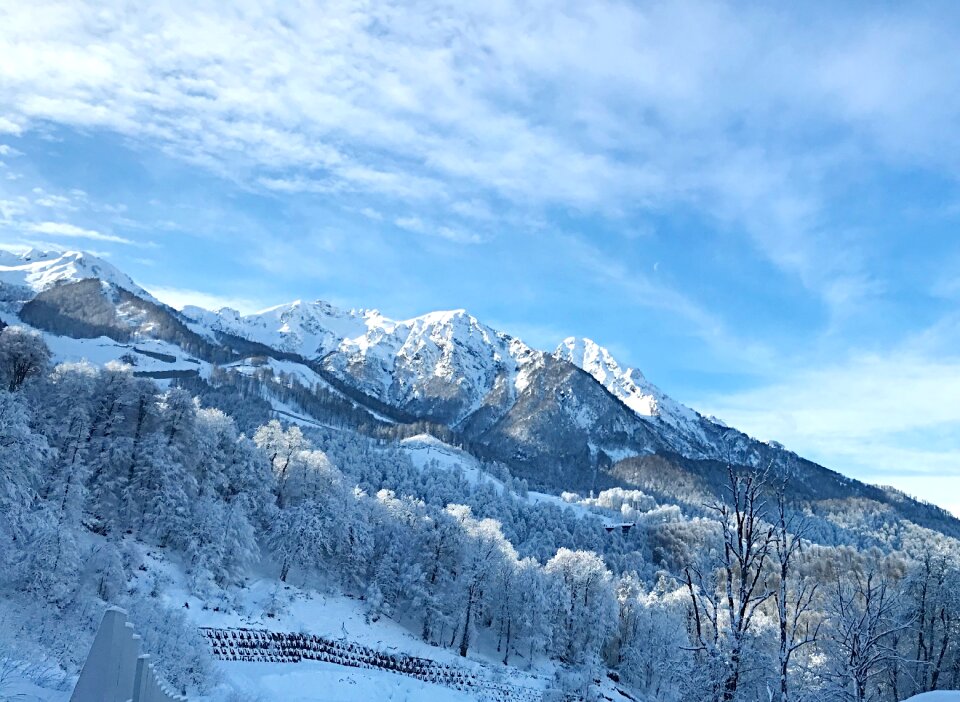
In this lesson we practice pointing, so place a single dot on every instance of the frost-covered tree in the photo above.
(483, 553)
(581, 604)
(441, 545)
(282, 447)
(797, 625)
(22, 457)
(931, 602)
(652, 651)
(23, 354)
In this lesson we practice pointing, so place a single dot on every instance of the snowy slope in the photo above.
(263, 604)
(429, 452)
(441, 357)
(628, 385)
(313, 681)
(38, 270)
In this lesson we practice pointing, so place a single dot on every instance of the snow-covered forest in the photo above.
(747, 597)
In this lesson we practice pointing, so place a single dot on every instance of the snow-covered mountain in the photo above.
(37, 271)
(628, 385)
(569, 411)
(574, 419)
(441, 364)
(307, 329)
(392, 360)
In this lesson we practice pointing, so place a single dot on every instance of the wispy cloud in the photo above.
(8, 126)
(178, 298)
(71, 231)
(877, 416)
(601, 106)
(643, 291)
(418, 226)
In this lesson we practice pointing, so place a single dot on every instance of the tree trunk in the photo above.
(465, 641)
(506, 652)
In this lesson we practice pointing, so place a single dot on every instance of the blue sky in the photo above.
(755, 204)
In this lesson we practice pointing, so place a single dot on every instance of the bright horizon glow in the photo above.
(757, 206)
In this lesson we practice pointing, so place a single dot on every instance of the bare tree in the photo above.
(794, 597)
(864, 617)
(933, 602)
(724, 611)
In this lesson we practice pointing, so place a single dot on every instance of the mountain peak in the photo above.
(38, 270)
(629, 385)
(593, 358)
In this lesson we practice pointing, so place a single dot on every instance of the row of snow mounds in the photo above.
(258, 645)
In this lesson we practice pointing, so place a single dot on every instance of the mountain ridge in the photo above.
(574, 419)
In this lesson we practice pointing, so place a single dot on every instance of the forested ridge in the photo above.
(747, 596)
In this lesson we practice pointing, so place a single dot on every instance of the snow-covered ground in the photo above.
(313, 681)
(268, 604)
(17, 689)
(150, 355)
(426, 450)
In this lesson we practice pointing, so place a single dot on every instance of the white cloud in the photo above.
(940, 490)
(418, 226)
(601, 106)
(13, 208)
(890, 419)
(71, 231)
(412, 224)
(8, 126)
(178, 298)
(371, 213)
(55, 202)
(865, 396)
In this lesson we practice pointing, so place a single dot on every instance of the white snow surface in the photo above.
(38, 270)
(937, 696)
(428, 451)
(313, 681)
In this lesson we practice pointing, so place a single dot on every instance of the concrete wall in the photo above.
(115, 670)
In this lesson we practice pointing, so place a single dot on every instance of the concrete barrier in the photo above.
(115, 671)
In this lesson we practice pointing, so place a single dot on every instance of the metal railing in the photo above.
(116, 671)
